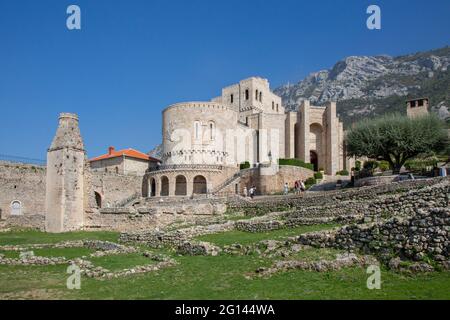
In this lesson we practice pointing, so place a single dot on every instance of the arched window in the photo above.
(164, 186)
(98, 199)
(256, 94)
(200, 186)
(197, 129)
(212, 130)
(246, 94)
(277, 107)
(16, 208)
(180, 186)
(260, 96)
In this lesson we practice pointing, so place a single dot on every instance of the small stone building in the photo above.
(125, 162)
(417, 107)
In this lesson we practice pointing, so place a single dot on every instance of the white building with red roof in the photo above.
(126, 162)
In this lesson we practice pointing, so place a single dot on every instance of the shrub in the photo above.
(371, 165)
(310, 181)
(342, 173)
(383, 165)
(295, 162)
(357, 165)
(318, 175)
(244, 165)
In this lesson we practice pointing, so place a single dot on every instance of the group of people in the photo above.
(299, 186)
(251, 192)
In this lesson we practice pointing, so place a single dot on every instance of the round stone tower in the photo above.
(65, 177)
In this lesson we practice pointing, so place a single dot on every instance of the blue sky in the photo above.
(133, 58)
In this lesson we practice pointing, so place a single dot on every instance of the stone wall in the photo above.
(24, 183)
(114, 188)
(422, 234)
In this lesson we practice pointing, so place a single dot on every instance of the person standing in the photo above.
(245, 192)
(302, 186)
(286, 188)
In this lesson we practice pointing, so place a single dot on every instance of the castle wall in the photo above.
(188, 137)
(24, 183)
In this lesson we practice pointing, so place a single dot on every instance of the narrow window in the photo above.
(246, 121)
(211, 130)
(420, 103)
(273, 105)
(231, 98)
(246, 94)
(260, 96)
(197, 130)
(277, 107)
(256, 94)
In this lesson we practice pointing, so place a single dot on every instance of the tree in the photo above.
(396, 138)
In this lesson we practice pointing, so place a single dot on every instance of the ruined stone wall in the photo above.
(25, 183)
(114, 188)
(422, 234)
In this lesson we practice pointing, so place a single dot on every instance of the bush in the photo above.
(384, 166)
(318, 175)
(244, 165)
(295, 162)
(371, 165)
(342, 173)
(357, 165)
(310, 181)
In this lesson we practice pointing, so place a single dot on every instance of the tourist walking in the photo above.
(297, 186)
(286, 188)
(302, 186)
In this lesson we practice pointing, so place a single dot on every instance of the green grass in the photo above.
(35, 237)
(312, 254)
(235, 236)
(119, 262)
(220, 277)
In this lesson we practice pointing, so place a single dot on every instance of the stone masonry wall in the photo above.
(25, 183)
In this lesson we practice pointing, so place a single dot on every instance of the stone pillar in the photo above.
(291, 120)
(303, 138)
(158, 186)
(189, 185)
(65, 178)
(332, 140)
(172, 185)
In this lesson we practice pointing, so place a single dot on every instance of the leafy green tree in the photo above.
(396, 138)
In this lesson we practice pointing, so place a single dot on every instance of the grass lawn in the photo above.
(242, 237)
(220, 277)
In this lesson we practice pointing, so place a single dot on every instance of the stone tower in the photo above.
(417, 107)
(65, 177)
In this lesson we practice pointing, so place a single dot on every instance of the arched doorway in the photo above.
(98, 199)
(16, 208)
(314, 160)
(164, 186)
(180, 186)
(200, 185)
(152, 188)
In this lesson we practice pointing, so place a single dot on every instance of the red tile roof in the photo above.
(131, 153)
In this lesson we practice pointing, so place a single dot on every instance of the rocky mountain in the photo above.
(372, 85)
